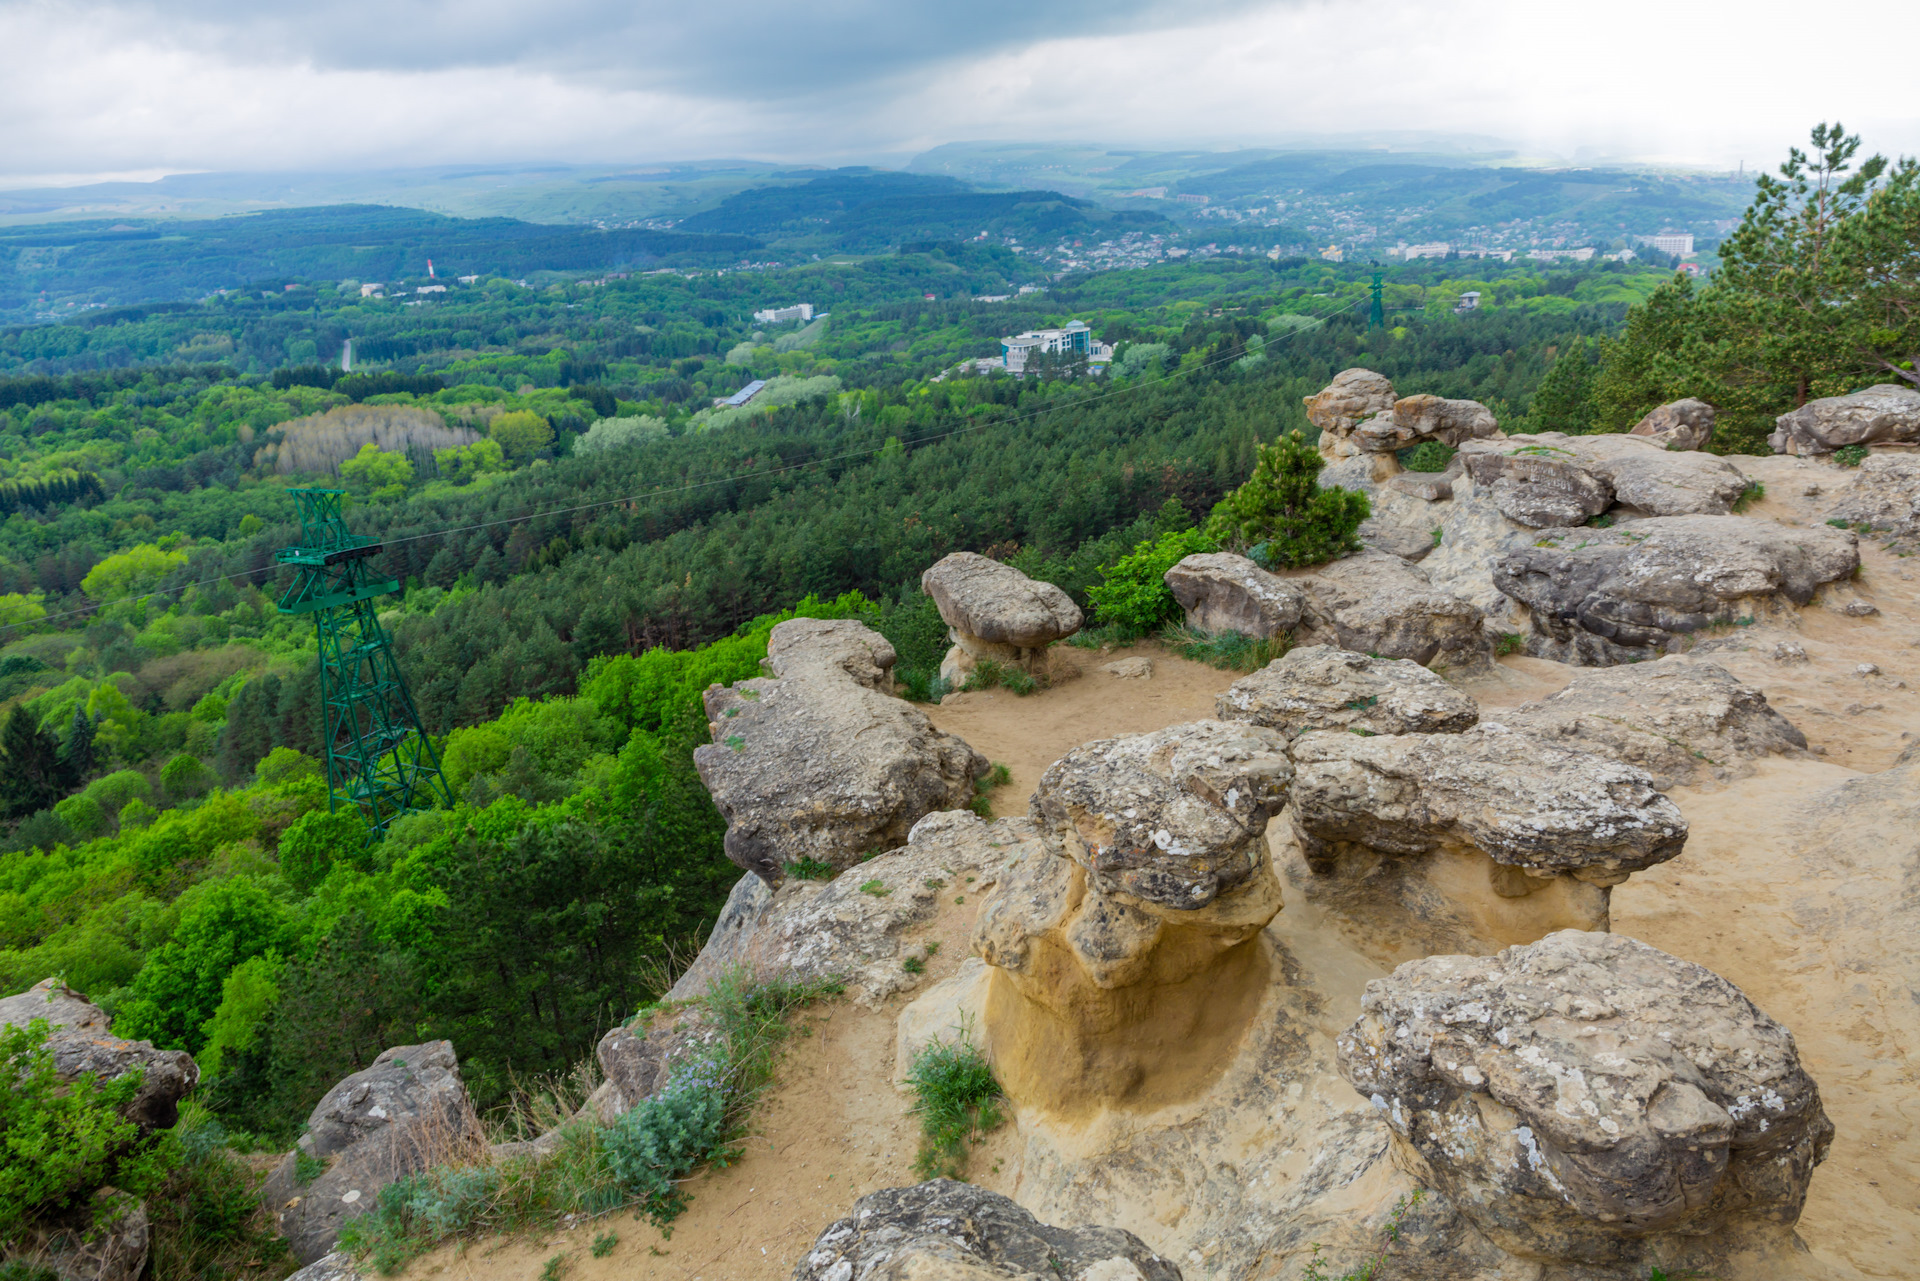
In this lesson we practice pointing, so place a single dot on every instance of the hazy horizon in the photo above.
(132, 89)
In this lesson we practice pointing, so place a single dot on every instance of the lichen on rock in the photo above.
(1588, 1099)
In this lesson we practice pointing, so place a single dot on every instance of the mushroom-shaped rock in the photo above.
(1679, 719)
(1884, 496)
(1415, 844)
(1538, 485)
(1353, 396)
(1582, 1097)
(1321, 687)
(996, 612)
(1602, 596)
(948, 1231)
(79, 1040)
(1883, 413)
(1524, 803)
(810, 929)
(1221, 592)
(819, 761)
(1419, 418)
(1376, 603)
(1174, 817)
(1124, 955)
(407, 1111)
(1679, 424)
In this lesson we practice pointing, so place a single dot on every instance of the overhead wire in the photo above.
(915, 443)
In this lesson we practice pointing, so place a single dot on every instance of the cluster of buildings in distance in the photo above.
(802, 311)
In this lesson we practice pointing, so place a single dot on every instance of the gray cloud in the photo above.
(753, 50)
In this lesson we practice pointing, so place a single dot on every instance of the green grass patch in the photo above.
(810, 869)
(1228, 650)
(876, 887)
(988, 674)
(1752, 494)
(1850, 455)
(1509, 643)
(957, 1100)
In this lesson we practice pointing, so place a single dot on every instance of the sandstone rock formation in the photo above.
(820, 761)
(1539, 486)
(1419, 418)
(1552, 479)
(1320, 687)
(948, 1231)
(1885, 412)
(1124, 955)
(820, 929)
(1472, 841)
(80, 1041)
(334, 1267)
(1353, 396)
(1221, 592)
(1679, 719)
(1600, 596)
(996, 612)
(1884, 495)
(1402, 511)
(1375, 603)
(407, 1111)
(1590, 1100)
(1172, 818)
(1679, 424)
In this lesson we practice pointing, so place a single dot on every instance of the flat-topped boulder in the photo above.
(1539, 486)
(1378, 603)
(1590, 1100)
(1602, 596)
(1173, 817)
(404, 1113)
(820, 761)
(1416, 844)
(1524, 803)
(1885, 413)
(1883, 496)
(81, 1042)
(949, 1231)
(996, 612)
(1321, 687)
(1353, 396)
(1553, 479)
(1222, 592)
(1679, 425)
(1680, 719)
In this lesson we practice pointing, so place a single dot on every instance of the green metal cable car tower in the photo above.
(1376, 314)
(379, 759)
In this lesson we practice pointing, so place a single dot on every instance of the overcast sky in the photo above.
(148, 86)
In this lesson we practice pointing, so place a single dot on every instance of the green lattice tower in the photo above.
(379, 759)
(1376, 314)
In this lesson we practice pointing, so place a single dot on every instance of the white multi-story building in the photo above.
(1073, 339)
(780, 315)
(1671, 242)
(1437, 249)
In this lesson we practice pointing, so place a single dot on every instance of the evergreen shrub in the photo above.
(1283, 506)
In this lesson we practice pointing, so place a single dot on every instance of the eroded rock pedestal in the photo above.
(1469, 842)
(1124, 959)
(996, 613)
(1588, 1099)
(821, 762)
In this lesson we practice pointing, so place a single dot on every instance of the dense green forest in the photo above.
(584, 542)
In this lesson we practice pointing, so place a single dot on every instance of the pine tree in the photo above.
(30, 767)
(1564, 401)
(1283, 508)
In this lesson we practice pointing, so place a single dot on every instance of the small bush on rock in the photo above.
(1283, 506)
(1428, 456)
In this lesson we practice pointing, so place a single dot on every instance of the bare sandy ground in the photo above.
(834, 1127)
